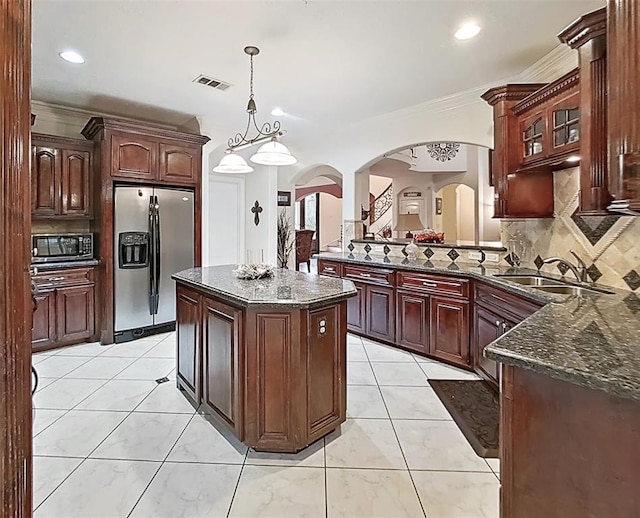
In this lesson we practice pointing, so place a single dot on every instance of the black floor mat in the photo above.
(475, 408)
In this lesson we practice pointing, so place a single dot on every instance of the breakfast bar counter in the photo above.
(266, 357)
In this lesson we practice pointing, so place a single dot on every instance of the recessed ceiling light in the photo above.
(467, 31)
(277, 112)
(71, 56)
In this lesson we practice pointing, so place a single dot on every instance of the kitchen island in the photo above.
(267, 357)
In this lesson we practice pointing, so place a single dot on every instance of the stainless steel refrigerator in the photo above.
(154, 238)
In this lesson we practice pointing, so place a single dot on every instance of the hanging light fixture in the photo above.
(270, 153)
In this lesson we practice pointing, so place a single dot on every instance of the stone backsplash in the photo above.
(609, 245)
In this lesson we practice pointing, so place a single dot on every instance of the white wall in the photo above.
(378, 184)
(466, 214)
(330, 220)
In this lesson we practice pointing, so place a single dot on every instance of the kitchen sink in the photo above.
(567, 289)
(531, 280)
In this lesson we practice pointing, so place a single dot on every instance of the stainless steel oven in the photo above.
(49, 248)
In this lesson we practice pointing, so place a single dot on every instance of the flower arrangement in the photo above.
(254, 271)
(285, 239)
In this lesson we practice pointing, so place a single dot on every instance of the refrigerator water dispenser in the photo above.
(133, 250)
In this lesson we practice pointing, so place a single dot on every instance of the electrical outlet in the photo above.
(491, 258)
(475, 256)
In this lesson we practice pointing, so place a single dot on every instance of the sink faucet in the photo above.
(579, 271)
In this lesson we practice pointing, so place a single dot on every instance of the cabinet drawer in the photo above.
(329, 268)
(66, 277)
(436, 284)
(503, 302)
(373, 275)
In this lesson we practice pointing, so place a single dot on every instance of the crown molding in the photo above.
(591, 25)
(556, 63)
(567, 81)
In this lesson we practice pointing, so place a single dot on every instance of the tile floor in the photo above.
(110, 442)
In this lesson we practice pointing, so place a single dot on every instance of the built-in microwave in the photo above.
(49, 248)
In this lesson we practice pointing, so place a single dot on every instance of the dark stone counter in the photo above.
(488, 247)
(591, 340)
(286, 288)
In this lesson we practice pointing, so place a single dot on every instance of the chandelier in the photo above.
(270, 153)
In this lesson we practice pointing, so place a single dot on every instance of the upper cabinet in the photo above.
(539, 129)
(588, 35)
(623, 47)
(60, 177)
(143, 153)
(549, 122)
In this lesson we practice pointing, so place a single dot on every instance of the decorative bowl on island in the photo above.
(254, 271)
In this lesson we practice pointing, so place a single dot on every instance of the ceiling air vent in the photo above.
(213, 83)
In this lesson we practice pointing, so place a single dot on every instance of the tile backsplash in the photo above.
(609, 245)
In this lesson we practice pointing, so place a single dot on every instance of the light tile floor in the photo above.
(110, 442)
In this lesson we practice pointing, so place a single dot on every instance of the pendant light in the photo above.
(271, 153)
(232, 163)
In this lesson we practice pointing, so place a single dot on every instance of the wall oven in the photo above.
(50, 248)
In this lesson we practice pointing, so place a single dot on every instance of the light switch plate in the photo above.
(491, 258)
(475, 256)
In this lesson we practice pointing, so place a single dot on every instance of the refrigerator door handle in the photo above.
(157, 253)
(153, 288)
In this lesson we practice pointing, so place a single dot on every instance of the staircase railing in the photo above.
(381, 204)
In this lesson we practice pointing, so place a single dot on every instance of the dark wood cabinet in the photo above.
(487, 328)
(356, 310)
(179, 164)
(623, 73)
(450, 330)
(495, 312)
(588, 35)
(518, 194)
(380, 313)
(133, 156)
(65, 312)
(74, 180)
(43, 332)
(75, 313)
(45, 170)
(329, 268)
(189, 354)
(60, 177)
(275, 377)
(413, 317)
(222, 332)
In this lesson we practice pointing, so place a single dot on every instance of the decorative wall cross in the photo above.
(256, 209)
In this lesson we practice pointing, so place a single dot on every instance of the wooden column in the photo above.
(623, 47)
(15, 224)
(588, 34)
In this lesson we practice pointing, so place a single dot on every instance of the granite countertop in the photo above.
(65, 264)
(286, 288)
(591, 340)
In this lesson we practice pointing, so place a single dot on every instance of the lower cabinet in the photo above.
(356, 310)
(43, 333)
(380, 312)
(75, 313)
(495, 312)
(65, 308)
(450, 330)
(222, 328)
(413, 315)
(488, 327)
(189, 354)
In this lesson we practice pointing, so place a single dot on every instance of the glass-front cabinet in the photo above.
(533, 137)
(566, 126)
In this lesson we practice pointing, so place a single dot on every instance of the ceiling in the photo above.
(326, 64)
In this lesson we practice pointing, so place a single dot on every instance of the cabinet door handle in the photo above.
(497, 323)
(504, 325)
(56, 278)
(365, 275)
(329, 269)
(429, 284)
